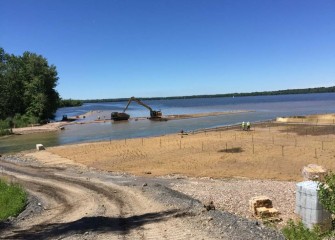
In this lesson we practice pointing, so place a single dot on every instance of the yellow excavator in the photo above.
(154, 115)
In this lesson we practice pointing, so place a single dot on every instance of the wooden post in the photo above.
(253, 148)
(125, 141)
(322, 145)
(160, 142)
(142, 141)
(252, 136)
(235, 136)
(180, 144)
(273, 139)
(295, 142)
(202, 146)
(226, 147)
(282, 150)
(316, 156)
(110, 141)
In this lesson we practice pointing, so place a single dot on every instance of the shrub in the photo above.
(297, 231)
(326, 192)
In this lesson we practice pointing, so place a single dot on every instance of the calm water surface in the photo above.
(263, 107)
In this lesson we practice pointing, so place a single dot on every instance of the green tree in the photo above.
(27, 86)
(40, 97)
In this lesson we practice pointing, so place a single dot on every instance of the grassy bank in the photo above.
(13, 199)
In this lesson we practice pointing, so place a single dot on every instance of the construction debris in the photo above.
(40, 147)
(261, 207)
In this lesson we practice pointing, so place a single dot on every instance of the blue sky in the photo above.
(149, 48)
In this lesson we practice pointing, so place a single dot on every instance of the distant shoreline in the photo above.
(248, 94)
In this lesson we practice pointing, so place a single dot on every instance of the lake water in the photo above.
(261, 107)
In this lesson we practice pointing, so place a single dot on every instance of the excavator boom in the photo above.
(154, 115)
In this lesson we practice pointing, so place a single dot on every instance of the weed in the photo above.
(297, 231)
(12, 199)
(232, 150)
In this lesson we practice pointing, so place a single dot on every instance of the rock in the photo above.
(144, 185)
(40, 147)
(209, 206)
(147, 172)
(314, 172)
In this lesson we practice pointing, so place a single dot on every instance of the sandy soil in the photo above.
(268, 151)
(50, 127)
(197, 115)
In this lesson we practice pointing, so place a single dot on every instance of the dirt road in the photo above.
(74, 202)
(75, 206)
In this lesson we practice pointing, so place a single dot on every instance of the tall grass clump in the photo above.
(297, 231)
(13, 199)
(5, 128)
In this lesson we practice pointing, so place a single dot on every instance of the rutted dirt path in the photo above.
(77, 207)
(70, 201)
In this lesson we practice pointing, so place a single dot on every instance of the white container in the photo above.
(308, 206)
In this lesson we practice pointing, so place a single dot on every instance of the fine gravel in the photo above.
(233, 195)
(219, 224)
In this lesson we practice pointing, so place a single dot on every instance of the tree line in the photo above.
(27, 86)
(264, 93)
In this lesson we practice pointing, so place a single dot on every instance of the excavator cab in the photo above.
(155, 114)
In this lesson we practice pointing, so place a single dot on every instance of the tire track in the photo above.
(108, 208)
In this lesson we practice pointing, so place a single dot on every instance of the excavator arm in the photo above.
(153, 114)
(139, 102)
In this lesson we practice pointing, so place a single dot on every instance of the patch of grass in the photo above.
(13, 199)
(297, 231)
